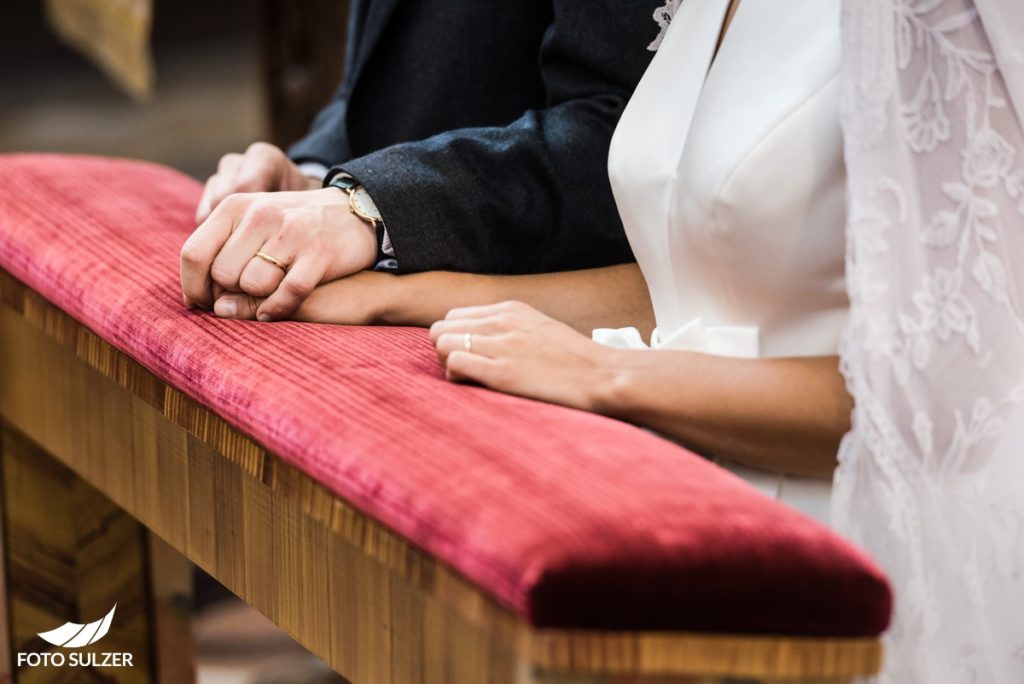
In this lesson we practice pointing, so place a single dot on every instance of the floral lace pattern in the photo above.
(931, 477)
(663, 16)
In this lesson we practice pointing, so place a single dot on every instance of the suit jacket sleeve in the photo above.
(327, 141)
(532, 196)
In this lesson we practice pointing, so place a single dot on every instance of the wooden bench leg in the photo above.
(170, 581)
(70, 555)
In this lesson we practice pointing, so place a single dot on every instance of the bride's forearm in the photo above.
(612, 297)
(783, 415)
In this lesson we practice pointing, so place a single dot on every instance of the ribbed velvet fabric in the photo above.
(569, 519)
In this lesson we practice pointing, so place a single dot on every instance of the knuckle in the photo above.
(221, 275)
(227, 160)
(297, 288)
(448, 341)
(292, 226)
(263, 212)
(263, 148)
(454, 362)
(253, 285)
(191, 253)
(236, 201)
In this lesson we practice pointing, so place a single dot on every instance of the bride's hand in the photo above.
(511, 347)
(359, 299)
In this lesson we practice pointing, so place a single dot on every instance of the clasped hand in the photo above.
(311, 234)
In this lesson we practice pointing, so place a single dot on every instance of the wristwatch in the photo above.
(359, 201)
(361, 204)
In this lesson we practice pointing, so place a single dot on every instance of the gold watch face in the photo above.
(363, 206)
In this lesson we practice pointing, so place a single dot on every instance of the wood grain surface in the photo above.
(376, 608)
(71, 556)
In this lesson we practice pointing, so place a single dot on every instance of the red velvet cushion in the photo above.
(567, 518)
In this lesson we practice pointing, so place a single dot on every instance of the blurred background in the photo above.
(224, 74)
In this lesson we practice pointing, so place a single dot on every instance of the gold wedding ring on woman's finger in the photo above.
(467, 343)
(271, 260)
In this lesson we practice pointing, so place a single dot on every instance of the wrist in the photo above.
(417, 299)
(388, 304)
(359, 238)
(367, 242)
(609, 389)
(362, 207)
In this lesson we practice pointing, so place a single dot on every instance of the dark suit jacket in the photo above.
(481, 127)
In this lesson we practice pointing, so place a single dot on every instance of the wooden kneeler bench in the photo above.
(399, 527)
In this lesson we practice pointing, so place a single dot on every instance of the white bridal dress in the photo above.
(729, 177)
(883, 139)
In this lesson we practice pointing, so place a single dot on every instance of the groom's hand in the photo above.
(303, 239)
(263, 168)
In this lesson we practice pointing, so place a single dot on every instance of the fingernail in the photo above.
(263, 318)
(225, 308)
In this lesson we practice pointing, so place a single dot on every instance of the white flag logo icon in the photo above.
(74, 635)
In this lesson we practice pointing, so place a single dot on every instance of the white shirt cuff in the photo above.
(313, 170)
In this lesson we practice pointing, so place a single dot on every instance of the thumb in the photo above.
(237, 306)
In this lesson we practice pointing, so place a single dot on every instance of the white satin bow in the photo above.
(740, 341)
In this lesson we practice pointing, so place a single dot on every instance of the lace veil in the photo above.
(931, 477)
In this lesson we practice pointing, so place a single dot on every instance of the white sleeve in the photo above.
(313, 170)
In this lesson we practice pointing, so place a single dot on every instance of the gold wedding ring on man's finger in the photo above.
(271, 260)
